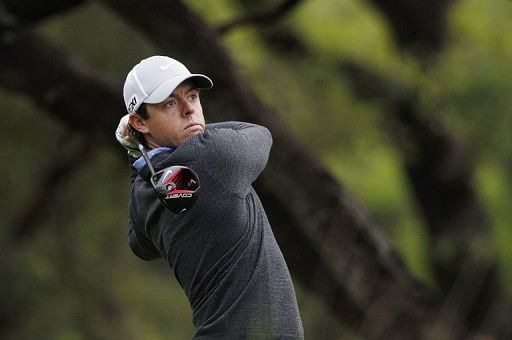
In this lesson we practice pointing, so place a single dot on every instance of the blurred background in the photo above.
(406, 105)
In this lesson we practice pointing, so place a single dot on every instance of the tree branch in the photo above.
(29, 12)
(420, 26)
(64, 86)
(26, 223)
(260, 17)
(441, 175)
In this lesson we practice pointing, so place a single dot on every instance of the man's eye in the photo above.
(192, 97)
(170, 103)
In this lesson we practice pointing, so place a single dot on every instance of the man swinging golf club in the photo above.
(221, 247)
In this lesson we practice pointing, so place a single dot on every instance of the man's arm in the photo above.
(237, 152)
(141, 245)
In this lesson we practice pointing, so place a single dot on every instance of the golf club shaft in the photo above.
(146, 158)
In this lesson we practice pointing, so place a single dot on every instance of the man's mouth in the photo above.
(192, 125)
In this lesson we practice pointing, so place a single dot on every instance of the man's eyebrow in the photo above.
(192, 88)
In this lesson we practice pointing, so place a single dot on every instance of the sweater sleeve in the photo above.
(141, 245)
(236, 153)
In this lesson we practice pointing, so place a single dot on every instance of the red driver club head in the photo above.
(177, 187)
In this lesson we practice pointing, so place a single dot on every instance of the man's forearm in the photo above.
(234, 125)
(142, 246)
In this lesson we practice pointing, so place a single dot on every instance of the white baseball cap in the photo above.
(155, 78)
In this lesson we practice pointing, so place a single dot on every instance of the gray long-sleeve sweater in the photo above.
(222, 251)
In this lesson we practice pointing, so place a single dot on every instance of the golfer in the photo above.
(222, 250)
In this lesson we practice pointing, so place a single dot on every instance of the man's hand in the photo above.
(125, 139)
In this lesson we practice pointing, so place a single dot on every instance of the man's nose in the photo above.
(188, 108)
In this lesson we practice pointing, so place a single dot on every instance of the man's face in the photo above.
(176, 119)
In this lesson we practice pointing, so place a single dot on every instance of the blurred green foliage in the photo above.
(75, 277)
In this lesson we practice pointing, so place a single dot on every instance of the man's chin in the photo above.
(192, 134)
(196, 132)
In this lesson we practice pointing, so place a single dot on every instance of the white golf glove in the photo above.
(125, 139)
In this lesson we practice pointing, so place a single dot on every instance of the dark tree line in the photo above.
(330, 241)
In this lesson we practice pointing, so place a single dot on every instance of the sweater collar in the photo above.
(141, 162)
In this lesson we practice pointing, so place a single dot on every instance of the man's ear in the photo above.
(138, 123)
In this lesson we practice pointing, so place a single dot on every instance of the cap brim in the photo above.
(167, 87)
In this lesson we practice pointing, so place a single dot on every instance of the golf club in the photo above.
(176, 186)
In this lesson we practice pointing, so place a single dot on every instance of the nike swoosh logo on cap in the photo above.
(165, 67)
